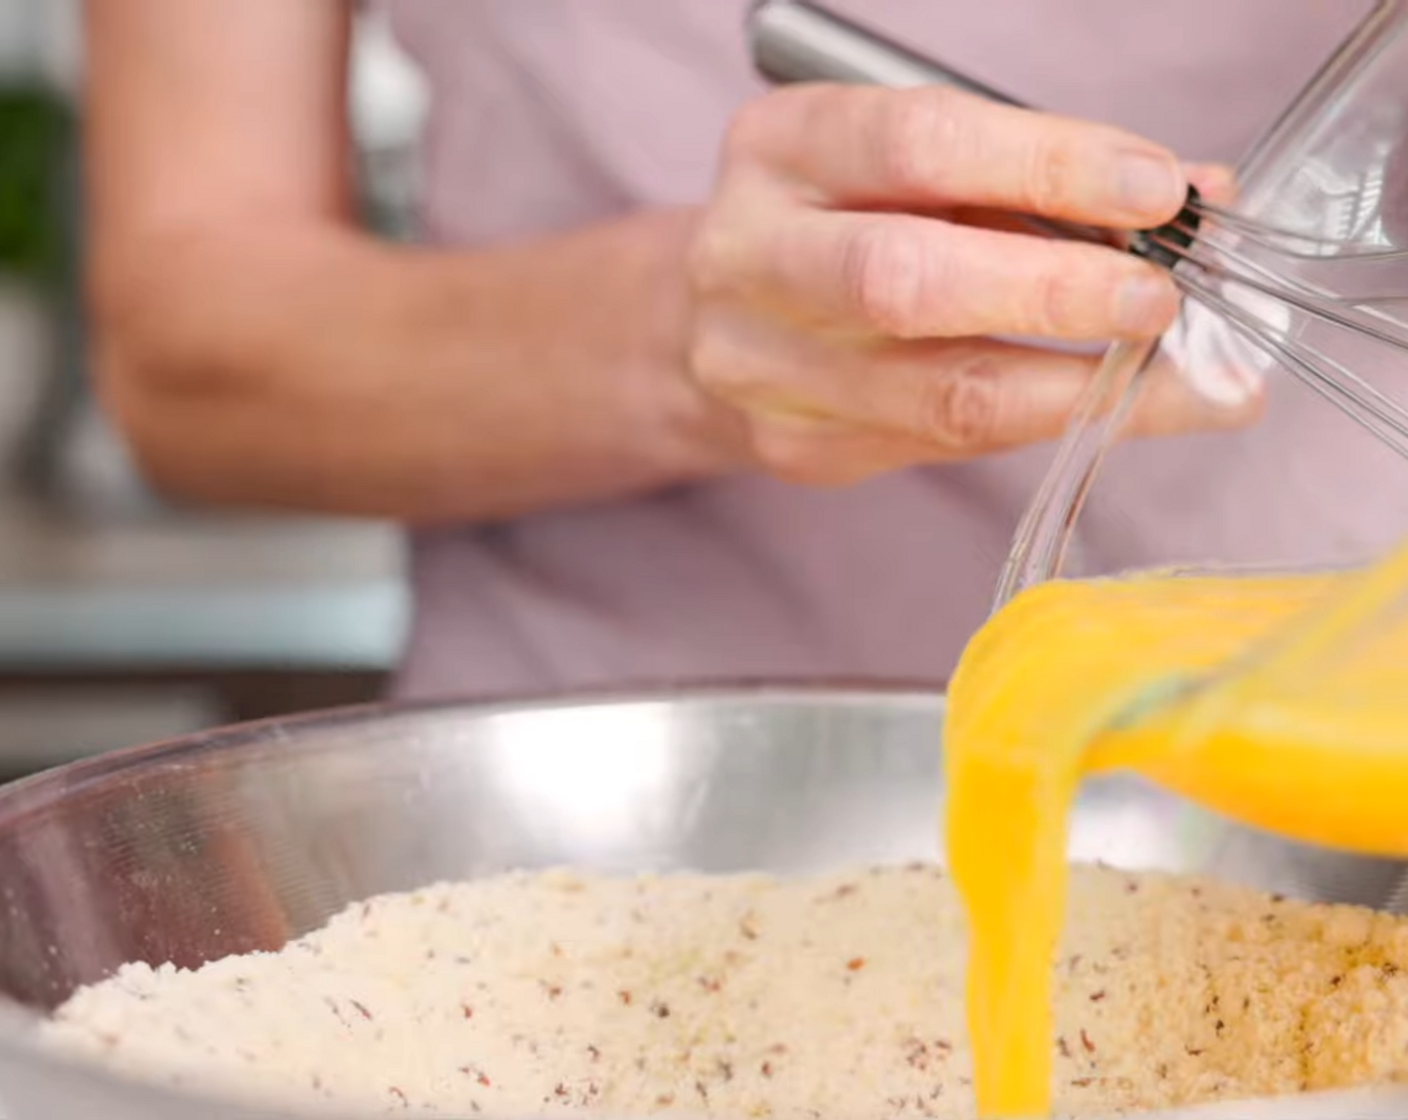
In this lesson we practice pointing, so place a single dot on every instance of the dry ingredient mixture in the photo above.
(748, 997)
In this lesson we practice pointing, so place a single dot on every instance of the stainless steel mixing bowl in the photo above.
(244, 838)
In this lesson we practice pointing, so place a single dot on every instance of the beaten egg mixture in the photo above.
(1306, 735)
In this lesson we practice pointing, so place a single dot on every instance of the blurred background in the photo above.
(123, 619)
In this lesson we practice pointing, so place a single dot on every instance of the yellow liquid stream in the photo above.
(1287, 745)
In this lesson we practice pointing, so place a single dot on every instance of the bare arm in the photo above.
(826, 316)
(260, 349)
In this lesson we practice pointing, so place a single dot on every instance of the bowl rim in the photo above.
(36, 791)
(19, 1044)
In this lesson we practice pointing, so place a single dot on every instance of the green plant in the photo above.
(36, 131)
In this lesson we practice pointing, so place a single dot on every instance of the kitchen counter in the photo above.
(115, 631)
(104, 575)
(197, 591)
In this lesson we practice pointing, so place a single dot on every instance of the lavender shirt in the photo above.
(553, 113)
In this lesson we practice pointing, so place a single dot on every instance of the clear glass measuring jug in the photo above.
(1310, 297)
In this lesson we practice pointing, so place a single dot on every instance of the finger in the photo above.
(1006, 221)
(907, 277)
(965, 398)
(1216, 182)
(859, 147)
(904, 402)
(1168, 405)
(817, 451)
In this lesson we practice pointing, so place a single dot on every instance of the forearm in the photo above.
(318, 369)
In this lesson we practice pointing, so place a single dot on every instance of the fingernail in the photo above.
(1145, 306)
(1150, 185)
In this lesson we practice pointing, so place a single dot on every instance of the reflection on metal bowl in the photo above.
(243, 838)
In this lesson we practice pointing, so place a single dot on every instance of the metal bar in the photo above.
(796, 41)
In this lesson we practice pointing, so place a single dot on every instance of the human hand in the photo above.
(859, 256)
